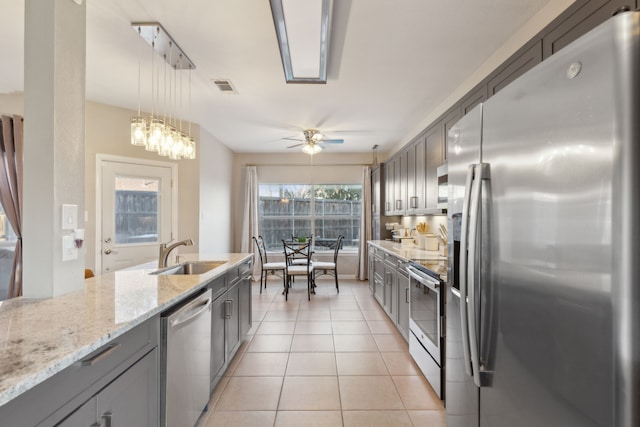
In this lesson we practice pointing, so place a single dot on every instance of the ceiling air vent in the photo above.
(225, 85)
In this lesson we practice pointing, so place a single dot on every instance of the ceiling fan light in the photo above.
(317, 136)
(311, 149)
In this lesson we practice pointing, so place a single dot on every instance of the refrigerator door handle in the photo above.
(464, 322)
(474, 261)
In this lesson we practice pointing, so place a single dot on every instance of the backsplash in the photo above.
(433, 221)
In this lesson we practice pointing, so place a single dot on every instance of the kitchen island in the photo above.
(44, 339)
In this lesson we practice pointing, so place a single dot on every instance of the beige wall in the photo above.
(107, 132)
(216, 233)
(297, 167)
(532, 27)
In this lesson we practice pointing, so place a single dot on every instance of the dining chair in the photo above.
(266, 266)
(295, 251)
(329, 268)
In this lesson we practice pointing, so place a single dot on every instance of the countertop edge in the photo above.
(52, 368)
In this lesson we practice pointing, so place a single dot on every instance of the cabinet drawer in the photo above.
(218, 286)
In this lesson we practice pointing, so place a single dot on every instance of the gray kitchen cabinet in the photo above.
(448, 120)
(230, 318)
(391, 282)
(473, 98)
(85, 391)
(131, 399)
(378, 277)
(244, 304)
(390, 291)
(517, 66)
(402, 280)
(579, 19)
(372, 252)
(389, 185)
(398, 188)
(377, 192)
(435, 143)
(413, 178)
(418, 203)
(218, 351)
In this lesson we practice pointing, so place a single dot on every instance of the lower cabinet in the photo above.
(389, 283)
(131, 399)
(402, 280)
(230, 318)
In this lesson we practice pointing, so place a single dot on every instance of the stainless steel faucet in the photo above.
(166, 250)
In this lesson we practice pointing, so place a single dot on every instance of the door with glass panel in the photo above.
(136, 213)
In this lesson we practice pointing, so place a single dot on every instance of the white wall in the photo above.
(216, 181)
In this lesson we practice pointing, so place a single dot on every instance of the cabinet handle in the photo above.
(406, 295)
(108, 419)
(228, 309)
(387, 206)
(373, 208)
(414, 202)
(111, 348)
(398, 204)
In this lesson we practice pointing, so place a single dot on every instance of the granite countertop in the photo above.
(41, 337)
(429, 259)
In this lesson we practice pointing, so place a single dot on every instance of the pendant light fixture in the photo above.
(161, 134)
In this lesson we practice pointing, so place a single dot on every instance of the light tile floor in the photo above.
(336, 360)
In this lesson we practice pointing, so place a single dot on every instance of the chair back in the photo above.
(262, 251)
(337, 248)
(297, 251)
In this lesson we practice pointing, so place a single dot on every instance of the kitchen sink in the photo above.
(191, 267)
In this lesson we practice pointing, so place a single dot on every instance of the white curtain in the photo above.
(362, 272)
(250, 221)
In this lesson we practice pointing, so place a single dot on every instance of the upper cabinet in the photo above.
(519, 65)
(411, 180)
(579, 19)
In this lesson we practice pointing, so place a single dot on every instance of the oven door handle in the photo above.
(422, 278)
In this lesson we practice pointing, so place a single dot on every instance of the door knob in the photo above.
(107, 240)
(109, 251)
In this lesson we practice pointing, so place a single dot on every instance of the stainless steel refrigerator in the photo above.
(543, 301)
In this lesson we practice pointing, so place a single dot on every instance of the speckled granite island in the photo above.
(41, 340)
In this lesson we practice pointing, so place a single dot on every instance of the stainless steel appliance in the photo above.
(426, 313)
(186, 357)
(543, 324)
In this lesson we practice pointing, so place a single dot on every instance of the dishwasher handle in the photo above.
(193, 311)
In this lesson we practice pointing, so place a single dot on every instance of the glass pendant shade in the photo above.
(138, 131)
(190, 149)
(166, 147)
(156, 134)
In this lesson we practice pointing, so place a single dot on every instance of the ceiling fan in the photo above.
(313, 141)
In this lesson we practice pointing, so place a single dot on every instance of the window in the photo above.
(136, 210)
(288, 210)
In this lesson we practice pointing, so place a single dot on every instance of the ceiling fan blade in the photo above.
(297, 145)
(332, 141)
(294, 139)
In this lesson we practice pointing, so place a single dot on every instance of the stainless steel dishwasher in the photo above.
(186, 353)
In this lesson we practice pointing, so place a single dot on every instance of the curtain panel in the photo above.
(362, 272)
(250, 221)
(11, 150)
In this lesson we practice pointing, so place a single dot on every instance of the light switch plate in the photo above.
(69, 217)
(69, 251)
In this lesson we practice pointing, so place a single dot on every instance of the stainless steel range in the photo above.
(426, 320)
